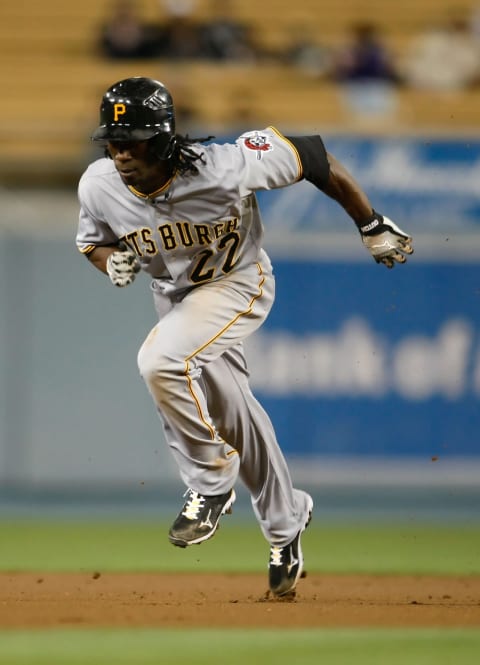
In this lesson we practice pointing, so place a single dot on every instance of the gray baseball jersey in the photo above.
(200, 239)
(196, 228)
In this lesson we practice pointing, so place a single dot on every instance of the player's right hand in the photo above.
(385, 241)
(122, 267)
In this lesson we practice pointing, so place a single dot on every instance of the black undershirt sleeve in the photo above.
(313, 157)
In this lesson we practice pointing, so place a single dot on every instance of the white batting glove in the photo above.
(385, 241)
(122, 267)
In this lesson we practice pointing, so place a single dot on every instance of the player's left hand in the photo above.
(385, 241)
(122, 267)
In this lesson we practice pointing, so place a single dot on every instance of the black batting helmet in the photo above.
(138, 109)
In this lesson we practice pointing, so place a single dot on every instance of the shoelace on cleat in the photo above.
(193, 505)
(276, 556)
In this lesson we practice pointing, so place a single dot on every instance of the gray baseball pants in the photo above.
(193, 364)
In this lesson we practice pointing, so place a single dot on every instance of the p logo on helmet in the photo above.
(118, 111)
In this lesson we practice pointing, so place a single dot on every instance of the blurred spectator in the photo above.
(366, 70)
(224, 37)
(124, 35)
(306, 53)
(365, 57)
(179, 38)
(444, 57)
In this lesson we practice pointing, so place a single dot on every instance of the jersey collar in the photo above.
(152, 195)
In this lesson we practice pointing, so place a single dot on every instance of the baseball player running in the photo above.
(185, 212)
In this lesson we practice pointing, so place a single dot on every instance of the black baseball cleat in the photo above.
(286, 563)
(198, 520)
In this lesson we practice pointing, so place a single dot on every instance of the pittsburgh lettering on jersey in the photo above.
(141, 242)
(178, 234)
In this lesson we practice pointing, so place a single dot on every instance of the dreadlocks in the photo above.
(184, 156)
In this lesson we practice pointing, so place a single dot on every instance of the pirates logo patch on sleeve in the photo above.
(257, 142)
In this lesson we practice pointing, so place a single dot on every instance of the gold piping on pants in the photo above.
(210, 341)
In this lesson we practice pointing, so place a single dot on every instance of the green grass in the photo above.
(137, 546)
(111, 546)
(237, 647)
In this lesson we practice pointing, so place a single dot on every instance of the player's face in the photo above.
(136, 165)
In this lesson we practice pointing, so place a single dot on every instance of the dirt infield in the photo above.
(234, 600)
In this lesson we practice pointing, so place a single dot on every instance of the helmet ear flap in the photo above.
(163, 146)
